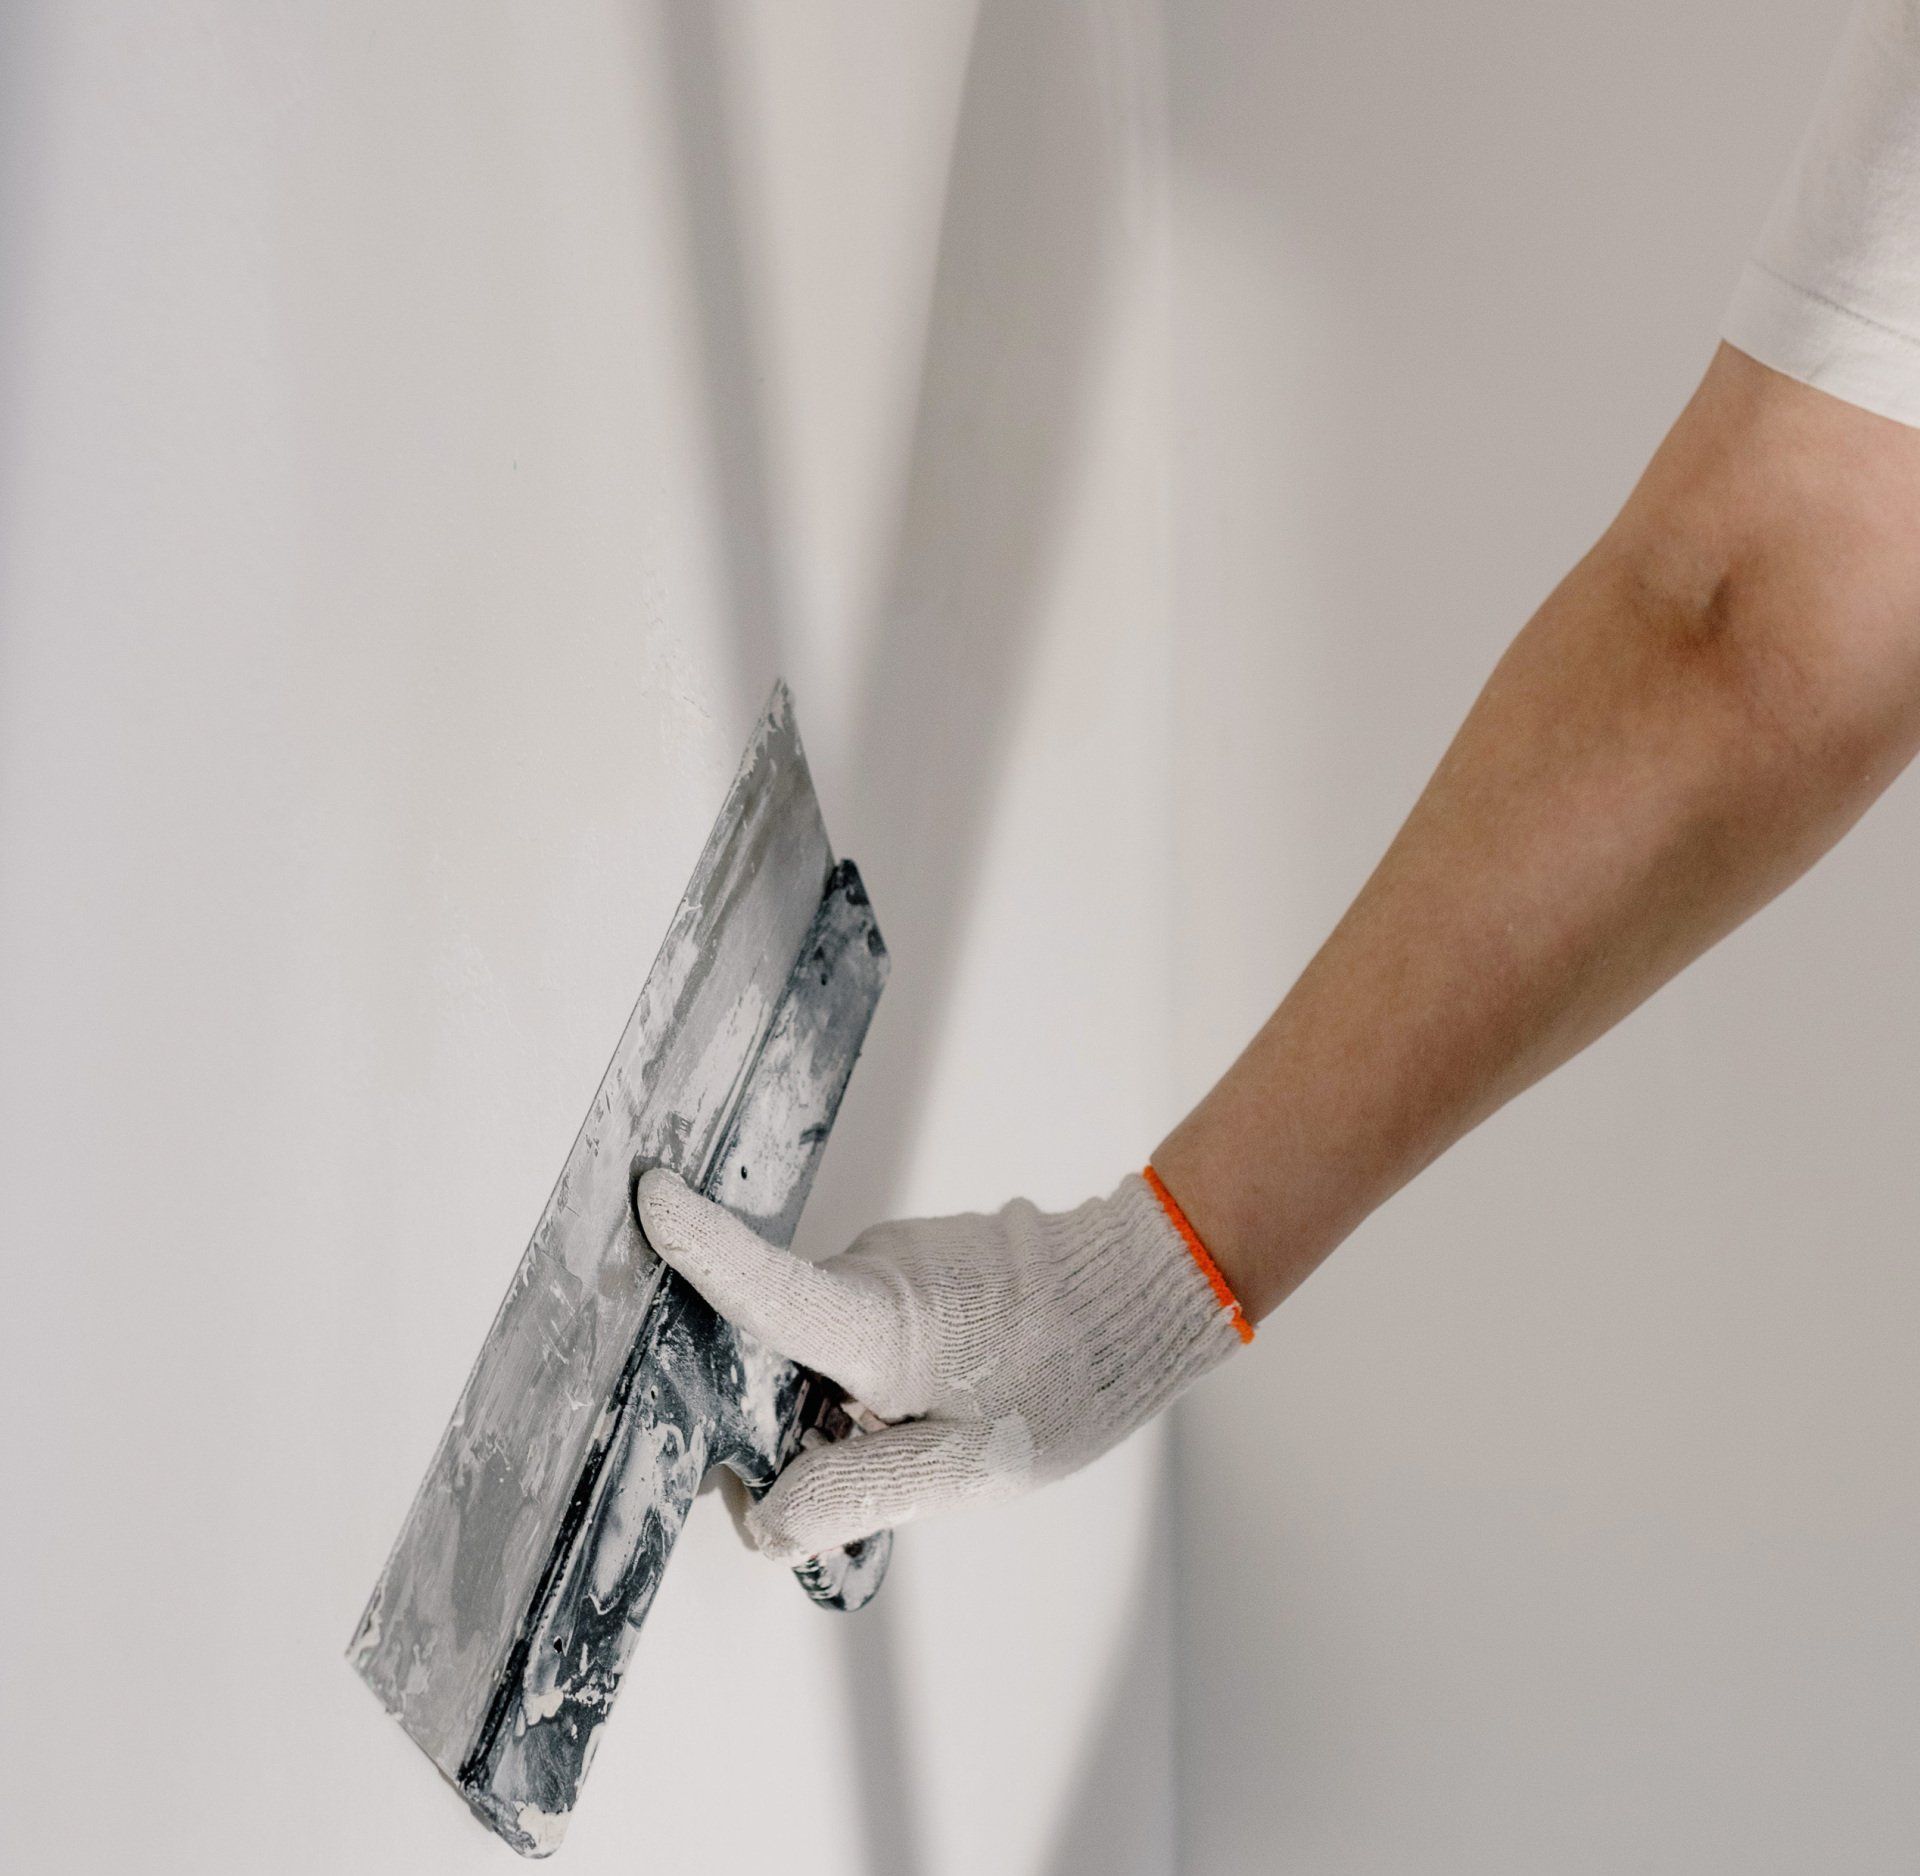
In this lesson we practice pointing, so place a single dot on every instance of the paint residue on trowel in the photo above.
(500, 1628)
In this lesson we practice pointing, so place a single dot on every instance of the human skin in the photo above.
(1700, 709)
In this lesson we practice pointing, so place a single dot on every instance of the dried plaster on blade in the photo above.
(730, 1070)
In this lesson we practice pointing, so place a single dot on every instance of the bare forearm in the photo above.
(1701, 708)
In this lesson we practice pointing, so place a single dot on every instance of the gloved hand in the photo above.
(1015, 1347)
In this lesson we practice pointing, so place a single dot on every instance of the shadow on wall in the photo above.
(1098, 1832)
(1033, 216)
(22, 30)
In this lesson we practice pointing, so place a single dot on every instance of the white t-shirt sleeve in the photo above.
(1832, 293)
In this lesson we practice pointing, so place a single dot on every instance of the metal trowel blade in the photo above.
(606, 1389)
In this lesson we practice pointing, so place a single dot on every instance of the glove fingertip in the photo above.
(659, 1198)
(674, 1220)
(803, 1516)
(781, 1544)
(775, 1546)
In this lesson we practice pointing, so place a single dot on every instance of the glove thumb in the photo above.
(822, 1317)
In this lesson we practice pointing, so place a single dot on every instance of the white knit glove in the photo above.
(1016, 1347)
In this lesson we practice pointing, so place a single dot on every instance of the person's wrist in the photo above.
(1194, 1247)
(1205, 1196)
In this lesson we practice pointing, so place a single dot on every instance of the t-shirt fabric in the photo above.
(1831, 295)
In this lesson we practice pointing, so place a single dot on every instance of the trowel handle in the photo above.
(845, 1578)
(753, 1412)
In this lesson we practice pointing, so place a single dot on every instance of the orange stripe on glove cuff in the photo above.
(1214, 1275)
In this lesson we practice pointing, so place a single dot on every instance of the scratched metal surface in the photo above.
(605, 1389)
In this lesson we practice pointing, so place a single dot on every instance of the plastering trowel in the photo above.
(606, 1389)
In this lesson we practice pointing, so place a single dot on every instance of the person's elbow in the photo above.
(1777, 540)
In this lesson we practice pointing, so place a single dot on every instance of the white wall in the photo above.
(1566, 1520)
(428, 430)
